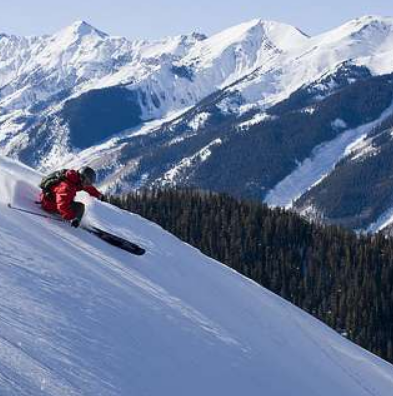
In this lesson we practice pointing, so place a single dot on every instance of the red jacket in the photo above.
(63, 195)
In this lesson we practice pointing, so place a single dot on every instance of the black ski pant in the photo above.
(79, 209)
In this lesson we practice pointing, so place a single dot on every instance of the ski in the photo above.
(117, 241)
(112, 239)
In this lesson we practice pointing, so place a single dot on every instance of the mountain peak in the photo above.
(82, 28)
(366, 19)
(192, 38)
(271, 25)
(81, 24)
(198, 36)
(368, 28)
(281, 35)
(370, 21)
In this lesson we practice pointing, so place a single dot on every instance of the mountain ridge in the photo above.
(88, 93)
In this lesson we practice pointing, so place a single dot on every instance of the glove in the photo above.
(75, 223)
(103, 198)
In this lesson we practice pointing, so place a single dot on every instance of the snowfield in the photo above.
(80, 317)
(324, 158)
(262, 62)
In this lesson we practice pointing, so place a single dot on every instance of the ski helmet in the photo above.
(88, 175)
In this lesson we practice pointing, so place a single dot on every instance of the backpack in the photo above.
(51, 180)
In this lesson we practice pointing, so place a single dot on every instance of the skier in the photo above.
(59, 190)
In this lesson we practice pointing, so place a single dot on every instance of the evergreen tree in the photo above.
(344, 279)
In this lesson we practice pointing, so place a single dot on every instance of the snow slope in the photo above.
(79, 317)
(323, 160)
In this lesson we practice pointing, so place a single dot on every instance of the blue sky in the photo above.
(155, 18)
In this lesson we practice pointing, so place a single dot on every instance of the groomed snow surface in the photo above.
(80, 317)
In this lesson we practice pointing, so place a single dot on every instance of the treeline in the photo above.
(344, 279)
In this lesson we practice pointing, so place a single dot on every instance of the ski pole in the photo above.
(34, 213)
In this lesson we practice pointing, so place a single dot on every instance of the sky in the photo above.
(151, 19)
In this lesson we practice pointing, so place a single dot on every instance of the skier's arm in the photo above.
(91, 190)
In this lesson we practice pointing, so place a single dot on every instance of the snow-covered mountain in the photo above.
(257, 96)
(43, 79)
(79, 317)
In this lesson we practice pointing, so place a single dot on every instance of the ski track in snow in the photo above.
(80, 317)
